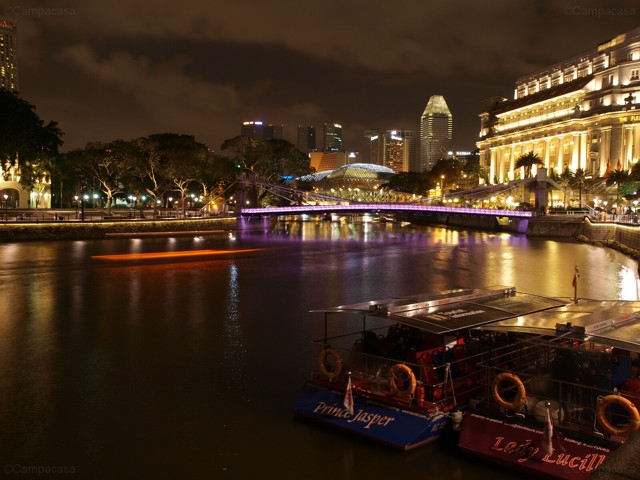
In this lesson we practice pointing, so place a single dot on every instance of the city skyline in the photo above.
(107, 72)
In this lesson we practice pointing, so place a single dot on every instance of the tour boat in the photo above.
(562, 393)
(395, 370)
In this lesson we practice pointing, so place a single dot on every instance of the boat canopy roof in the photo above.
(452, 310)
(614, 323)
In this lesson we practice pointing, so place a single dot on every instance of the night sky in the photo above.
(105, 71)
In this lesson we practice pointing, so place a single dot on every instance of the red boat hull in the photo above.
(519, 446)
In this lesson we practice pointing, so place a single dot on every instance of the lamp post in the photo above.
(5, 196)
(75, 198)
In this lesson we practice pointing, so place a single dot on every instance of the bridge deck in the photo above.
(381, 207)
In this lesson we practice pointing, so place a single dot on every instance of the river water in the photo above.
(186, 367)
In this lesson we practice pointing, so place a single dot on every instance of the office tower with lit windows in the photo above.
(261, 131)
(332, 137)
(306, 139)
(395, 149)
(436, 132)
(8, 56)
(580, 113)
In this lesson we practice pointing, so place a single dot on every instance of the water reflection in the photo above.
(235, 350)
(166, 360)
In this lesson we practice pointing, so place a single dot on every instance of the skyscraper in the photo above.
(436, 132)
(261, 131)
(306, 141)
(395, 149)
(332, 137)
(8, 56)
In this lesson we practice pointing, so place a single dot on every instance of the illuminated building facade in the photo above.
(436, 132)
(579, 113)
(8, 56)
(332, 137)
(395, 149)
(261, 131)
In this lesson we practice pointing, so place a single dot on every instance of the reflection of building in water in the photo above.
(579, 113)
(14, 195)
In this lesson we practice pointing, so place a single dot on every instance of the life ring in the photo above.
(408, 375)
(325, 368)
(631, 409)
(521, 397)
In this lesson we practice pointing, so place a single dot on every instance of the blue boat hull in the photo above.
(394, 426)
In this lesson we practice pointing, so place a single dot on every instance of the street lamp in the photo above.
(75, 197)
(5, 196)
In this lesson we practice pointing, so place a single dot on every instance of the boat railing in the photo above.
(442, 376)
(571, 380)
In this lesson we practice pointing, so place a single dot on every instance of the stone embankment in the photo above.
(621, 236)
(62, 230)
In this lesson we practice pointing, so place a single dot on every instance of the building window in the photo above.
(635, 74)
(607, 80)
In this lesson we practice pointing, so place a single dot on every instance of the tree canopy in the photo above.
(527, 161)
(25, 137)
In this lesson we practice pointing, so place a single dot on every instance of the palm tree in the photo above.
(618, 178)
(579, 179)
(564, 180)
(527, 161)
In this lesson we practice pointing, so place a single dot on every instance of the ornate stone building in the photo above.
(583, 112)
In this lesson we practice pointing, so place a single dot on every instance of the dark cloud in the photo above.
(126, 69)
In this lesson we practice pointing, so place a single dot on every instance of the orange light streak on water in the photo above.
(163, 255)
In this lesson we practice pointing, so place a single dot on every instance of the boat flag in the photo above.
(547, 434)
(608, 170)
(576, 276)
(619, 165)
(348, 396)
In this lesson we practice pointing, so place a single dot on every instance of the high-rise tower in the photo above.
(306, 140)
(436, 132)
(332, 137)
(392, 148)
(8, 56)
(261, 131)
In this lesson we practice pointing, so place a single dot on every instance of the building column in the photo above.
(492, 168)
(628, 147)
(546, 153)
(615, 151)
(560, 149)
(605, 156)
(575, 151)
(583, 150)
(635, 155)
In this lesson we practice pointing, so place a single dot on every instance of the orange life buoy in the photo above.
(325, 368)
(631, 409)
(521, 396)
(409, 379)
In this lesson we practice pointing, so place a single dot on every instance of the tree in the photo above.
(579, 180)
(409, 182)
(565, 181)
(109, 165)
(527, 161)
(181, 158)
(25, 137)
(618, 178)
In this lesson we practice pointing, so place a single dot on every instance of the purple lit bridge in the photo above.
(383, 208)
(514, 221)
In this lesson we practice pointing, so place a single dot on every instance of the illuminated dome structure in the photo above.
(363, 176)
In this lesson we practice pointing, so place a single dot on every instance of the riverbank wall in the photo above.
(96, 230)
